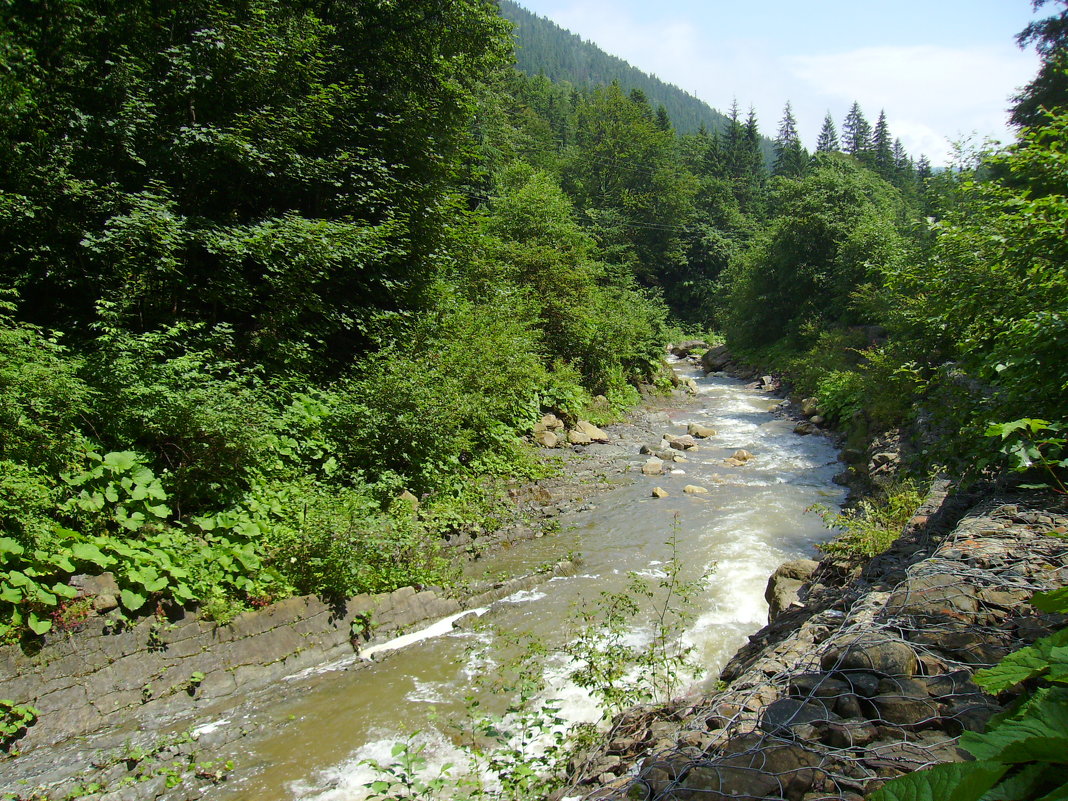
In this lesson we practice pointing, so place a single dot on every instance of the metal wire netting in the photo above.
(878, 683)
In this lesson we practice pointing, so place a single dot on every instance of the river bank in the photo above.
(869, 677)
(127, 705)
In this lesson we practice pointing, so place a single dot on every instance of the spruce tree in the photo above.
(790, 156)
(828, 138)
(882, 148)
(856, 132)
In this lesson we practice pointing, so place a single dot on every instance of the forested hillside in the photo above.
(267, 268)
(544, 48)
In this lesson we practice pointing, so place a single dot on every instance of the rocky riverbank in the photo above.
(868, 677)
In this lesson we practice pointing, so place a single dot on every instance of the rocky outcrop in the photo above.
(785, 585)
(870, 679)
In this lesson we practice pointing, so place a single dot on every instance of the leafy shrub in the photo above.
(874, 524)
(42, 399)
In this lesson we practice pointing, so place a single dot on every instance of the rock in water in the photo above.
(654, 467)
(699, 431)
(660, 492)
(693, 489)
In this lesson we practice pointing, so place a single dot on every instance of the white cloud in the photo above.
(932, 94)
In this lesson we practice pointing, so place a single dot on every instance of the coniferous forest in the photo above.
(268, 266)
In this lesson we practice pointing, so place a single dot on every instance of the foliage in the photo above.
(14, 720)
(607, 662)
(1024, 751)
(836, 228)
(870, 527)
(1038, 444)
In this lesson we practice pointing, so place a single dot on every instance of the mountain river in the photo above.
(314, 744)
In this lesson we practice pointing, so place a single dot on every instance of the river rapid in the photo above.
(315, 743)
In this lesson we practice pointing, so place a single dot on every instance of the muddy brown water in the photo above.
(314, 745)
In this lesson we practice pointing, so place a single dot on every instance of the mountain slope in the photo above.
(544, 48)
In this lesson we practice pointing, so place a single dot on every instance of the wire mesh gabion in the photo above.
(872, 680)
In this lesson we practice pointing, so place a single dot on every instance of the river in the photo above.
(314, 744)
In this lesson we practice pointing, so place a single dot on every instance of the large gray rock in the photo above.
(785, 584)
(874, 653)
(716, 359)
(699, 431)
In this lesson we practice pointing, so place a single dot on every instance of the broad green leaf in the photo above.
(87, 552)
(37, 625)
(132, 600)
(65, 590)
(8, 545)
(45, 597)
(10, 595)
(1052, 601)
(1060, 794)
(1034, 660)
(1037, 731)
(956, 781)
(155, 585)
(120, 461)
(160, 510)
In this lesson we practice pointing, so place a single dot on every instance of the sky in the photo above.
(943, 70)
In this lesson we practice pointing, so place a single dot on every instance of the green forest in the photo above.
(273, 272)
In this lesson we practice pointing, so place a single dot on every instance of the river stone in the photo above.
(742, 455)
(715, 359)
(785, 584)
(810, 407)
(546, 438)
(905, 702)
(592, 431)
(788, 712)
(653, 467)
(683, 443)
(870, 652)
(693, 489)
(660, 492)
(699, 431)
(103, 589)
(805, 428)
(732, 462)
(819, 685)
(576, 437)
(934, 597)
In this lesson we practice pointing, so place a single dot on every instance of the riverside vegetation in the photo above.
(265, 267)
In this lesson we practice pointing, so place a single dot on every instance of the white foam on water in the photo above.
(208, 728)
(523, 597)
(443, 626)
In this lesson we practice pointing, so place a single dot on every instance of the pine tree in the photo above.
(663, 121)
(828, 138)
(882, 148)
(923, 169)
(790, 156)
(856, 132)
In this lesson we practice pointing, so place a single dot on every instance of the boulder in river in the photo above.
(699, 431)
(785, 584)
(809, 407)
(693, 489)
(653, 467)
(716, 359)
(805, 427)
(660, 492)
(683, 443)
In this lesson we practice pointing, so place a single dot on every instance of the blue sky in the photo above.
(943, 70)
